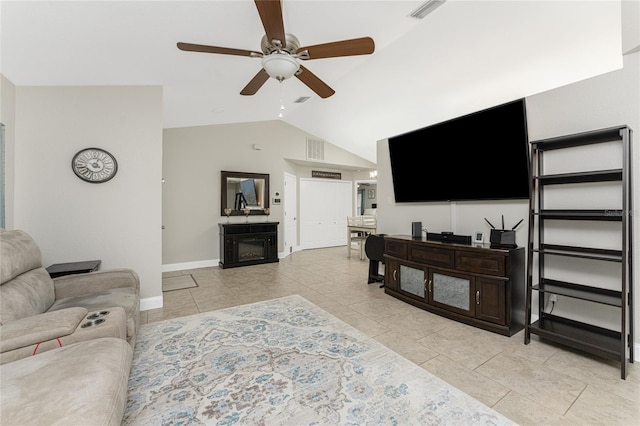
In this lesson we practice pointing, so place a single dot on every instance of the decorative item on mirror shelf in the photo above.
(246, 213)
(267, 211)
(227, 212)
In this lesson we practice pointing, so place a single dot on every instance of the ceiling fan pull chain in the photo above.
(281, 114)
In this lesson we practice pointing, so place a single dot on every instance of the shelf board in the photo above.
(579, 291)
(581, 252)
(611, 134)
(607, 215)
(581, 177)
(596, 340)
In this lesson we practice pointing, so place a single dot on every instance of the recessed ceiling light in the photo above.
(302, 99)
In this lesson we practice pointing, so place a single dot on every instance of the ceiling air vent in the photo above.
(426, 8)
(315, 149)
(302, 99)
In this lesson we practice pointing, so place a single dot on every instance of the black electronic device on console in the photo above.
(503, 238)
(416, 229)
(449, 237)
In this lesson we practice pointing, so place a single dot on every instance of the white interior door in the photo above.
(324, 207)
(290, 213)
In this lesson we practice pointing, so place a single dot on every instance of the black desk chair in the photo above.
(374, 248)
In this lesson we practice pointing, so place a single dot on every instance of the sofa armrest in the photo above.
(40, 328)
(95, 282)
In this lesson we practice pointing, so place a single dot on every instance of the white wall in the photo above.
(8, 118)
(117, 221)
(494, 53)
(630, 11)
(608, 100)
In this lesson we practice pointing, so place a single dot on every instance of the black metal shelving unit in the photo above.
(612, 344)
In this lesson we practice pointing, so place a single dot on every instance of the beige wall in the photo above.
(608, 100)
(117, 221)
(192, 161)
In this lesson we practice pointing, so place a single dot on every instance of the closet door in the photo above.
(324, 207)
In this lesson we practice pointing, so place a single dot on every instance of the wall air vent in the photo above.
(426, 8)
(315, 149)
(302, 99)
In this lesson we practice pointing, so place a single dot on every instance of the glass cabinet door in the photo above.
(412, 281)
(451, 291)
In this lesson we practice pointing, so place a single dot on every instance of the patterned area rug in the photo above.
(283, 362)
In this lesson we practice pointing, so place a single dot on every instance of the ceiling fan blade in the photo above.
(256, 83)
(270, 12)
(189, 47)
(356, 46)
(314, 83)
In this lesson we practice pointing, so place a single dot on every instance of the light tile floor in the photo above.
(535, 384)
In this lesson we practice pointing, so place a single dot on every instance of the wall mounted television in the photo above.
(479, 156)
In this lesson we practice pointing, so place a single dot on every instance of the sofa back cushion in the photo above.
(25, 286)
(18, 254)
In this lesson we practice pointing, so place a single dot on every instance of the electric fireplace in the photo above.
(243, 244)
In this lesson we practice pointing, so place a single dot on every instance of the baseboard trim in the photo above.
(170, 267)
(149, 303)
(284, 254)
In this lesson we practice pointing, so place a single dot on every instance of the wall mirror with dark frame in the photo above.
(241, 191)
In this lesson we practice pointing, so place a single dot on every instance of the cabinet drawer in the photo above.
(431, 255)
(480, 263)
(395, 248)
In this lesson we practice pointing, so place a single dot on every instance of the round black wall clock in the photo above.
(94, 165)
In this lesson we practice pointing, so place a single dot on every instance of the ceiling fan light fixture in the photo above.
(280, 66)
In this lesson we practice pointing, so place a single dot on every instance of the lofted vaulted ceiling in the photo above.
(465, 56)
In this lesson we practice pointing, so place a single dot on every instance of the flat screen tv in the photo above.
(479, 156)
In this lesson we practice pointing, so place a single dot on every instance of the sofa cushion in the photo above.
(80, 284)
(40, 328)
(18, 254)
(83, 383)
(126, 297)
(112, 324)
(30, 293)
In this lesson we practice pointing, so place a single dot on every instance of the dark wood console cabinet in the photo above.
(243, 244)
(473, 284)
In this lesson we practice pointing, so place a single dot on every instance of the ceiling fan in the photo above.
(281, 52)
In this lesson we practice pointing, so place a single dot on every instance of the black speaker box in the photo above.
(416, 229)
(502, 238)
(449, 238)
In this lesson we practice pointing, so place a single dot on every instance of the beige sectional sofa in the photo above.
(84, 383)
(66, 344)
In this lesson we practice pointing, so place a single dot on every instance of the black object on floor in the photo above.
(374, 249)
